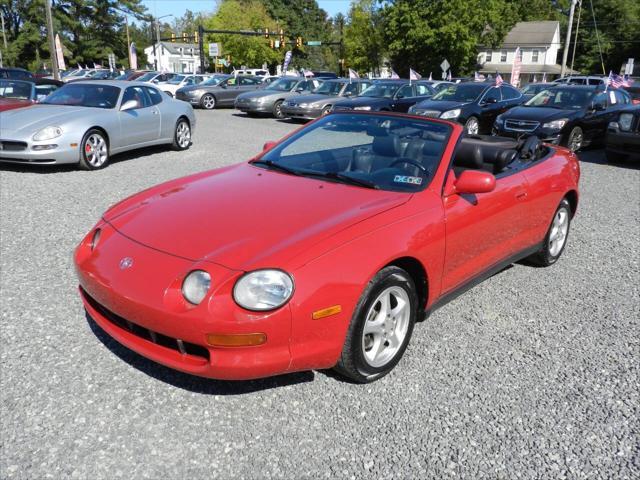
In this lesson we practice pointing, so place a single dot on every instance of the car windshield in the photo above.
(15, 89)
(84, 95)
(564, 98)
(147, 76)
(213, 81)
(329, 88)
(533, 88)
(461, 92)
(363, 150)
(381, 90)
(177, 80)
(283, 84)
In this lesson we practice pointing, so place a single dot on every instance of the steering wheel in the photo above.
(420, 167)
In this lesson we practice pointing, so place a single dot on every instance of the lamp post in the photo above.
(155, 56)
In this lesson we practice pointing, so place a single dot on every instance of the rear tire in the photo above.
(94, 150)
(208, 101)
(380, 328)
(556, 239)
(182, 135)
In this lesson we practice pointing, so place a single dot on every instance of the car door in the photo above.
(248, 84)
(484, 229)
(140, 124)
(596, 118)
(490, 107)
(164, 124)
(228, 91)
(510, 97)
(404, 98)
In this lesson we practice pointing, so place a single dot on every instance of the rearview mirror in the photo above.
(268, 145)
(475, 181)
(129, 105)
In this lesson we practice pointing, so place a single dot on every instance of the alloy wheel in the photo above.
(95, 150)
(559, 230)
(183, 134)
(472, 126)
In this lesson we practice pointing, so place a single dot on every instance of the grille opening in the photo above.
(145, 333)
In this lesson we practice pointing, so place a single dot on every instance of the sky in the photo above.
(158, 8)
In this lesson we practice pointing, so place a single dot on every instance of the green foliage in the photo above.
(363, 41)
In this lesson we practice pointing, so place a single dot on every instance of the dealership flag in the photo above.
(287, 61)
(499, 80)
(516, 68)
(544, 77)
(449, 76)
(394, 75)
(413, 75)
(478, 77)
(59, 54)
(353, 74)
(430, 77)
(133, 63)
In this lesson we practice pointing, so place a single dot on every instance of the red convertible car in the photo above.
(324, 249)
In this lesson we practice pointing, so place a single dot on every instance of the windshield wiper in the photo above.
(344, 178)
(276, 166)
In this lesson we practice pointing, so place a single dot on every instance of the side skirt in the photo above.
(481, 277)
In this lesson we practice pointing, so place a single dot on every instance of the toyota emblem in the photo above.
(125, 263)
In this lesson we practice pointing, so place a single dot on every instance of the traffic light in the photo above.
(185, 39)
(266, 33)
(282, 37)
(272, 43)
(299, 42)
(173, 37)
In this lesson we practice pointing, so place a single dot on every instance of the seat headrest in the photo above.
(468, 155)
(502, 159)
(387, 146)
(432, 147)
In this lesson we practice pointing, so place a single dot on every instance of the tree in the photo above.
(421, 33)
(363, 36)
(249, 15)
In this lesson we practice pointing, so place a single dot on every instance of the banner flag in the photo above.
(60, 54)
(394, 75)
(516, 68)
(134, 56)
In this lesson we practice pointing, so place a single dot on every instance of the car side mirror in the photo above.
(598, 107)
(474, 181)
(156, 81)
(268, 145)
(348, 94)
(490, 100)
(129, 105)
(223, 85)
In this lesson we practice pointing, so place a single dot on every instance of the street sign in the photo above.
(314, 43)
(277, 44)
(214, 49)
(222, 61)
(445, 65)
(628, 70)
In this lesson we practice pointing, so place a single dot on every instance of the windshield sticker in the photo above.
(407, 179)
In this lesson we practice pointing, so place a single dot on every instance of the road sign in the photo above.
(214, 49)
(314, 43)
(445, 65)
(277, 44)
(628, 70)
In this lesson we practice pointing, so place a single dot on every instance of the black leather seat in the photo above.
(467, 156)
(491, 154)
(384, 151)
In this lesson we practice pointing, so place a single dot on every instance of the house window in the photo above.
(503, 56)
(534, 56)
(488, 57)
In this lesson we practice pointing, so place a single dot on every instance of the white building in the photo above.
(174, 57)
(539, 44)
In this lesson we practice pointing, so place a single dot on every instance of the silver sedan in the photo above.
(269, 100)
(85, 123)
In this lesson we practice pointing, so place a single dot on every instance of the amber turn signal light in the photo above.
(236, 340)
(326, 312)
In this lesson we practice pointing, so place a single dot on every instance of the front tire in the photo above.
(472, 126)
(556, 238)
(277, 110)
(575, 139)
(381, 326)
(182, 135)
(94, 150)
(208, 101)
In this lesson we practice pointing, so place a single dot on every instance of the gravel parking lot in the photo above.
(532, 374)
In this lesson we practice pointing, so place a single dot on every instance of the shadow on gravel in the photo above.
(190, 382)
(598, 157)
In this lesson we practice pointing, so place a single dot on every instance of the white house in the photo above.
(539, 44)
(174, 57)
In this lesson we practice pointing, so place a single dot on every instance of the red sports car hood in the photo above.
(244, 217)
(12, 103)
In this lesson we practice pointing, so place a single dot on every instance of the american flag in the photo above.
(616, 81)
(413, 75)
(394, 75)
(353, 74)
(499, 80)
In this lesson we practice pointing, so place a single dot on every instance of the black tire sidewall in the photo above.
(548, 258)
(388, 277)
(84, 163)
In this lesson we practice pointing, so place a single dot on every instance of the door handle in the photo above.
(521, 195)
(156, 112)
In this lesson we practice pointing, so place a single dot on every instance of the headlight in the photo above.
(625, 121)
(556, 124)
(362, 108)
(195, 286)
(455, 113)
(263, 290)
(48, 133)
(303, 105)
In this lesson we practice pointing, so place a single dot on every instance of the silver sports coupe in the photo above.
(269, 100)
(87, 122)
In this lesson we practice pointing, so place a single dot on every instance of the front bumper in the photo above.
(65, 149)
(192, 99)
(626, 143)
(142, 308)
(553, 137)
(254, 107)
(301, 112)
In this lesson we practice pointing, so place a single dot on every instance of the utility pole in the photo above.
(52, 42)
(126, 23)
(4, 35)
(565, 50)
